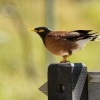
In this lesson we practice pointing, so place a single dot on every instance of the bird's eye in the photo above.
(41, 30)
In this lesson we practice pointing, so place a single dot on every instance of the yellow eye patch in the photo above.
(41, 30)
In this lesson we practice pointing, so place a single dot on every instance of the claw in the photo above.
(64, 61)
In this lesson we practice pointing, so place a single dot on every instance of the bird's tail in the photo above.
(95, 37)
(98, 38)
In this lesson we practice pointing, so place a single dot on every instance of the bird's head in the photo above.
(41, 31)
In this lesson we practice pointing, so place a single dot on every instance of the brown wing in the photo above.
(64, 35)
(71, 35)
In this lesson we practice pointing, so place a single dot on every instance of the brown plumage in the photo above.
(64, 43)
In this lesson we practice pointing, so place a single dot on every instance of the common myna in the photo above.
(64, 43)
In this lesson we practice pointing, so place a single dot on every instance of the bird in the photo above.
(65, 43)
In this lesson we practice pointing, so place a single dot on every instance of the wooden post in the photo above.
(67, 82)
(93, 86)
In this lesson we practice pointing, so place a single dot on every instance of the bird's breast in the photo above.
(59, 46)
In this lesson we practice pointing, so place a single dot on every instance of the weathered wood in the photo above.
(94, 91)
(44, 88)
(59, 82)
(67, 82)
(79, 80)
(94, 76)
(94, 85)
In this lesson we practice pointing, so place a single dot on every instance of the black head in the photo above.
(41, 31)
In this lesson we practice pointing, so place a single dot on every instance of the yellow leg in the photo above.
(65, 59)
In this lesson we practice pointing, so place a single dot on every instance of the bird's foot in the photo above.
(65, 61)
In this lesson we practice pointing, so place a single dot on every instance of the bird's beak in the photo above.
(32, 29)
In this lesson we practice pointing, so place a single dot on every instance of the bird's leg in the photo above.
(66, 56)
(65, 59)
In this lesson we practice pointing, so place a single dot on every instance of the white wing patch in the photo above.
(81, 44)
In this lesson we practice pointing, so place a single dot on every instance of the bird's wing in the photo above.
(71, 35)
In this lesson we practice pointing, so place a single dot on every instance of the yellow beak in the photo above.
(32, 29)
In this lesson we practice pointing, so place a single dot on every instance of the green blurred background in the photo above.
(23, 58)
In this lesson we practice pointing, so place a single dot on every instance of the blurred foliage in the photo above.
(23, 58)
